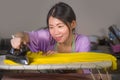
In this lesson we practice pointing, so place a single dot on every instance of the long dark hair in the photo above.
(63, 12)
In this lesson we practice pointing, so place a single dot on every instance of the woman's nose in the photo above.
(56, 31)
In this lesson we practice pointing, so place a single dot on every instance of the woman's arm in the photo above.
(37, 40)
(82, 43)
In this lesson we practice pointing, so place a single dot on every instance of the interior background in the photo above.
(93, 16)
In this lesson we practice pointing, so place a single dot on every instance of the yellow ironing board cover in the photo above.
(66, 58)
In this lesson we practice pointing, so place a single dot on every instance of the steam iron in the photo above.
(18, 56)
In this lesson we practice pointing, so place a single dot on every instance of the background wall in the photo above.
(93, 16)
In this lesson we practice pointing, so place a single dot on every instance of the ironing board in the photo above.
(77, 65)
(83, 65)
(92, 65)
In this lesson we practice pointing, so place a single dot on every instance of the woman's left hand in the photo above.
(50, 52)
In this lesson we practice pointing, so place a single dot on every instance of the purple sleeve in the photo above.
(82, 43)
(39, 40)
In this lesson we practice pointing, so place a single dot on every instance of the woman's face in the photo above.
(58, 30)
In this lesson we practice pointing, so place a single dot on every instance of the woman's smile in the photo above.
(59, 38)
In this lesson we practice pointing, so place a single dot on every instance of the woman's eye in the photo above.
(60, 26)
(50, 27)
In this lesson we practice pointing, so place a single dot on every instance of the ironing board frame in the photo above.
(81, 65)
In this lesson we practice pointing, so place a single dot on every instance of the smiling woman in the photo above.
(59, 36)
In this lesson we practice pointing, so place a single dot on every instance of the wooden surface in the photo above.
(51, 76)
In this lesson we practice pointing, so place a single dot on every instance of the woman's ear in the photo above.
(73, 24)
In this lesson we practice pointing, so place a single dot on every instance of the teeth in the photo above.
(58, 36)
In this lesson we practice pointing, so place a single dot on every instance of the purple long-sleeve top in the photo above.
(41, 40)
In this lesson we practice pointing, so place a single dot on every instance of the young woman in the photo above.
(59, 36)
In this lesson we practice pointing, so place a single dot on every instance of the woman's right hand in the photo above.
(20, 38)
(16, 42)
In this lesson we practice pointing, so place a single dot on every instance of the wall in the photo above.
(93, 16)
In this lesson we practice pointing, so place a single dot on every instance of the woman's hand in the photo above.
(16, 42)
(18, 39)
(50, 52)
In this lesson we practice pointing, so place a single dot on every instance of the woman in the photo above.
(59, 36)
